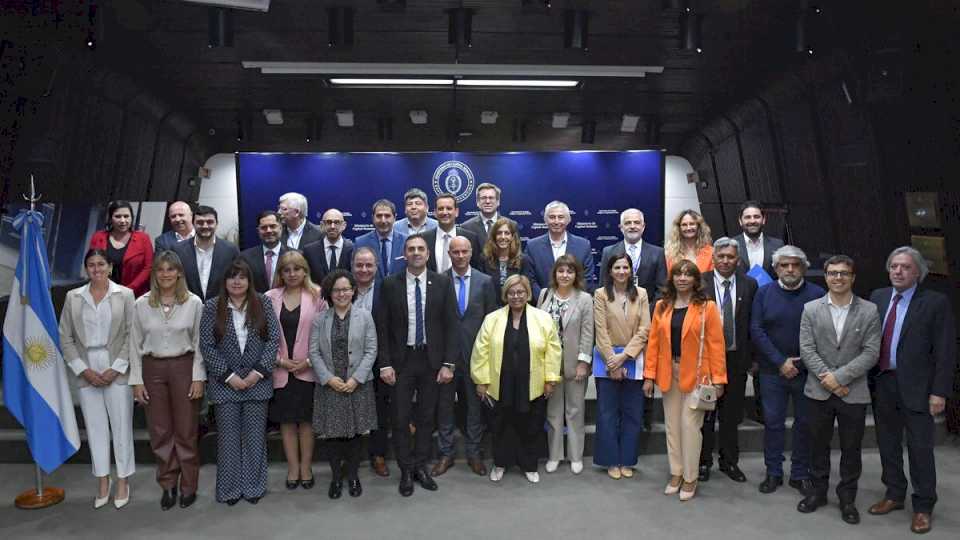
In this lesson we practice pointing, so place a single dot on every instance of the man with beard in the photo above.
(206, 258)
(756, 248)
(263, 258)
(649, 264)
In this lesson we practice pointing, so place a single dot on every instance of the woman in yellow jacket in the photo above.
(671, 363)
(515, 365)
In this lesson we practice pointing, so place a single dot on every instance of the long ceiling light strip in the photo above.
(390, 82)
(518, 83)
(449, 70)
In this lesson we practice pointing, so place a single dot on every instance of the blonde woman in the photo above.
(689, 238)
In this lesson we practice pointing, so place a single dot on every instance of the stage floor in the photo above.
(467, 506)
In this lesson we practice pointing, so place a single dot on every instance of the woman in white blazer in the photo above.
(572, 309)
(94, 337)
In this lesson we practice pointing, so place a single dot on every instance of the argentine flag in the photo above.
(35, 386)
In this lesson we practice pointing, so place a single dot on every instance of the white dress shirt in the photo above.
(240, 327)
(204, 262)
(412, 307)
(839, 314)
(635, 254)
(96, 320)
(293, 237)
(492, 220)
(718, 291)
(754, 250)
(559, 248)
(337, 251)
(441, 248)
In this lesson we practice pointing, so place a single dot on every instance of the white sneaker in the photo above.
(496, 474)
(551, 466)
(533, 477)
(576, 467)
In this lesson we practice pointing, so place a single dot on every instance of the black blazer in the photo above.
(652, 273)
(431, 238)
(318, 259)
(254, 257)
(311, 233)
(223, 255)
(927, 350)
(481, 300)
(740, 360)
(475, 225)
(770, 244)
(440, 316)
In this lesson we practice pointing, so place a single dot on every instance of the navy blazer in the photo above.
(652, 273)
(927, 350)
(770, 244)
(223, 255)
(318, 258)
(224, 358)
(541, 256)
(481, 300)
(254, 257)
(398, 263)
(165, 242)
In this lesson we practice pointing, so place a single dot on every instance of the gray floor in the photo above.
(466, 506)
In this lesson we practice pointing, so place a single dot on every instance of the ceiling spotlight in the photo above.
(274, 117)
(339, 26)
(219, 27)
(313, 129)
(560, 120)
(576, 29)
(629, 123)
(345, 118)
(460, 26)
(418, 117)
(242, 130)
(690, 35)
(488, 117)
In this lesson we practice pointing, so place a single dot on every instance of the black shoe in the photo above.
(355, 488)
(231, 502)
(796, 484)
(704, 473)
(804, 486)
(308, 483)
(292, 484)
(406, 482)
(422, 476)
(849, 513)
(771, 483)
(336, 489)
(187, 500)
(733, 472)
(253, 500)
(168, 499)
(810, 503)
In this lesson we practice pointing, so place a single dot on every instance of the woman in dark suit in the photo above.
(343, 348)
(239, 338)
(502, 256)
(130, 252)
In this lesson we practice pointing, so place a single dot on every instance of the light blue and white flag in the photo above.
(35, 388)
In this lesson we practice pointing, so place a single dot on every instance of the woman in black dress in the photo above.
(296, 302)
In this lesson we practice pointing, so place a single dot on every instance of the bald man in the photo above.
(180, 216)
(333, 251)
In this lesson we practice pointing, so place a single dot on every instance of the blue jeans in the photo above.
(775, 391)
(619, 422)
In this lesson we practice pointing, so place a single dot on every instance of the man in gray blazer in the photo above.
(839, 344)
(476, 296)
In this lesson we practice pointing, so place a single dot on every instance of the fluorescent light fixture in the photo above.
(629, 123)
(418, 117)
(488, 117)
(560, 120)
(518, 83)
(345, 118)
(274, 117)
(354, 69)
(391, 82)
(250, 5)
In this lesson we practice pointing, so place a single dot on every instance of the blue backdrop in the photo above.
(595, 185)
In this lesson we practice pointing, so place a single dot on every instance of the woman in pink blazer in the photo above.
(296, 302)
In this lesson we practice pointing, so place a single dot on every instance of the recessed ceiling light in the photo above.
(518, 82)
(391, 82)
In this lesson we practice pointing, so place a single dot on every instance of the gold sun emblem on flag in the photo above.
(37, 353)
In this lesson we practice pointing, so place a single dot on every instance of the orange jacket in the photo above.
(658, 364)
(704, 261)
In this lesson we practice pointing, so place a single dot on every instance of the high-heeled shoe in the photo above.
(120, 503)
(292, 484)
(100, 502)
(308, 483)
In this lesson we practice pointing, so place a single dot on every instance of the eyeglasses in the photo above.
(839, 274)
(332, 222)
(516, 294)
(487, 198)
(341, 290)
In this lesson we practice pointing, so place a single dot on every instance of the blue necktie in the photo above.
(418, 306)
(385, 262)
(462, 296)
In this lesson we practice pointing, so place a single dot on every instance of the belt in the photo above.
(184, 356)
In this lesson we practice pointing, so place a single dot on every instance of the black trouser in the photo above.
(729, 412)
(377, 443)
(344, 457)
(416, 377)
(892, 418)
(851, 419)
(518, 437)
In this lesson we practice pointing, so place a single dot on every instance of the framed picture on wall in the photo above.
(934, 250)
(922, 210)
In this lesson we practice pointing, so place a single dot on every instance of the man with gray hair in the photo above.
(913, 377)
(649, 264)
(545, 249)
(297, 229)
(775, 331)
(417, 221)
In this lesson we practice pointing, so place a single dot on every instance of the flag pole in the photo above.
(40, 497)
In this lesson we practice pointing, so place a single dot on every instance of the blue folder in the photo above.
(600, 365)
(759, 274)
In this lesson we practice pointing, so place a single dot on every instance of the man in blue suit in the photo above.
(545, 249)
(384, 240)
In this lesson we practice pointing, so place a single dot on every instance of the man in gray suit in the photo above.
(476, 297)
(839, 344)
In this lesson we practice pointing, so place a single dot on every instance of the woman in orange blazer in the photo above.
(689, 238)
(671, 363)
(296, 302)
(129, 251)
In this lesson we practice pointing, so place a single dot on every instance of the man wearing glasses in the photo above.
(333, 251)
(488, 202)
(839, 344)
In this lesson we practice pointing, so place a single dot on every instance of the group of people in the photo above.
(343, 340)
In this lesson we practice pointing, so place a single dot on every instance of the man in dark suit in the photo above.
(263, 258)
(476, 296)
(755, 246)
(447, 211)
(733, 292)
(297, 229)
(386, 242)
(488, 201)
(913, 378)
(418, 351)
(545, 249)
(207, 257)
(180, 217)
(331, 253)
(649, 263)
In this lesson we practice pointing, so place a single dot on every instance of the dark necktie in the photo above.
(418, 307)
(268, 264)
(462, 296)
(384, 260)
(884, 362)
(489, 224)
(333, 259)
(729, 331)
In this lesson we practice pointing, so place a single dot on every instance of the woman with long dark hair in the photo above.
(129, 251)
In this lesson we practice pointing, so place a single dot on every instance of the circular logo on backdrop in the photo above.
(453, 177)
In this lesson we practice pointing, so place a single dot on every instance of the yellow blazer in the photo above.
(545, 351)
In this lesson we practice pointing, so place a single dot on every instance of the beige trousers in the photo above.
(683, 431)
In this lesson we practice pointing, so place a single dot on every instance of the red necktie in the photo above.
(887, 339)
